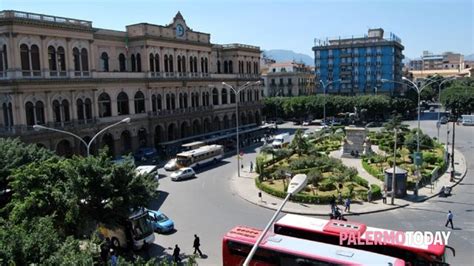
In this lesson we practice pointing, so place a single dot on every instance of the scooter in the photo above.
(337, 215)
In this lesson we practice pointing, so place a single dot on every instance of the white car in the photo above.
(183, 173)
(306, 123)
(171, 165)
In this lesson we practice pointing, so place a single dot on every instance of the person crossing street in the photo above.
(196, 245)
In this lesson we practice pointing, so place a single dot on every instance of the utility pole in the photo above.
(452, 153)
(394, 167)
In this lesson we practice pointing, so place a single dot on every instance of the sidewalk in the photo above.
(244, 186)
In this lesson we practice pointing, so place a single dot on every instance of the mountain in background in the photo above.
(469, 57)
(288, 55)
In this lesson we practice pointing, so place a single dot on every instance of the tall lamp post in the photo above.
(237, 99)
(324, 88)
(297, 183)
(418, 90)
(439, 101)
(88, 145)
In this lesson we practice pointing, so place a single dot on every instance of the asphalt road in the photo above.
(207, 206)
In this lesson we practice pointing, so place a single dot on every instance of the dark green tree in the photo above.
(459, 98)
(299, 144)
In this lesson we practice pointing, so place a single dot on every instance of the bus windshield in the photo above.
(183, 161)
(141, 227)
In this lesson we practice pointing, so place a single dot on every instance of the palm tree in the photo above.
(299, 144)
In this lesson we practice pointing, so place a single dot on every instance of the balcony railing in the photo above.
(46, 18)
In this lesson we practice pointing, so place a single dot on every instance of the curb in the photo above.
(312, 212)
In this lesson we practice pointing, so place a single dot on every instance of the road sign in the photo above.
(418, 158)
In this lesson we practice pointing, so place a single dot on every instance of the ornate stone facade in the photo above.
(63, 73)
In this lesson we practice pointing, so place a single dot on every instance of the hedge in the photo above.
(372, 171)
(361, 181)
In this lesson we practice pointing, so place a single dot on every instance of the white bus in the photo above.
(200, 156)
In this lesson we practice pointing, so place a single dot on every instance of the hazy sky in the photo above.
(434, 25)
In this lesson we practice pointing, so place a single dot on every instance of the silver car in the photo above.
(183, 173)
(171, 165)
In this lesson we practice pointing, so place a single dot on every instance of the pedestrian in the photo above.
(339, 198)
(104, 250)
(348, 205)
(113, 258)
(333, 203)
(196, 245)
(450, 220)
(384, 196)
(369, 195)
(176, 252)
(251, 166)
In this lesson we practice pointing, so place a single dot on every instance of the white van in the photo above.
(148, 169)
(467, 120)
(281, 141)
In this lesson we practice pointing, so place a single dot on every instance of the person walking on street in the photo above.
(251, 166)
(450, 220)
(348, 205)
(196, 245)
(176, 252)
(369, 195)
(384, 196)
(339, 198)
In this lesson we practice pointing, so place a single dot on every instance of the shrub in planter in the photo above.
(327, 185)
(361, 181)
(376, 191)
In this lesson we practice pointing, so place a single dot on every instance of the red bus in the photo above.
(329, 232)
(284, 250)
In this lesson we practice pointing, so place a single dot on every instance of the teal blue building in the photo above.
(357, 65)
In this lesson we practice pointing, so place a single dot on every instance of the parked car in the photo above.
(432, 109)
(145, 153)
(171, 165)
(443, 120)
(161, 223)
(183, 173)
(306, 123)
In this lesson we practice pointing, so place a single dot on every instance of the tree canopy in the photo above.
(459, 98)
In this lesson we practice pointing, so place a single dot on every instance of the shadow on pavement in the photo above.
(155, 204)
(455, 202)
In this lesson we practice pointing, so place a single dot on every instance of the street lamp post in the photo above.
(439, 101)
(237, 99)
(297, 183)
(324, 88)
(418, 90)
(88, 145)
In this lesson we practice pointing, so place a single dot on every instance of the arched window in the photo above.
(206, 65)
(122, 104)
(134, 63)
(88, 108)
(104, 105)
(195, 64)
(152, 63)
(30, 113)
(139, 102)
(52, 60)
(84, 60)
(168, 102)
(185, 100)
(35, 60)
(218, 67)
(180, 100)
(191, 65)
(179, 63)
(203, 99)
(215, 97)
(39, 112)
(61, 55)
(25, 59)
(157, 62)
(158, 101)
(224, 96)
(232, 96)
(3, 61)
(202, 64)
(173, 101)
(122, 63)
(226, 67)
(7, 114)
(230, 67)
(166, 63)
(104, 62)
(183, 63)
(65, 110)
(153, 103)
(56, 111)
(170, 60)
(139, 63)
(77, 60)
(80, 109)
